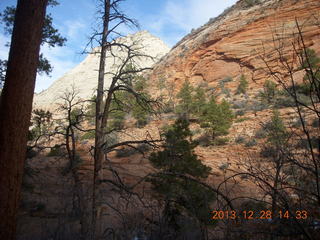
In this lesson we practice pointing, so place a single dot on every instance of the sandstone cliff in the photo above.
(233, 43)
(84, 76)
(227, 46)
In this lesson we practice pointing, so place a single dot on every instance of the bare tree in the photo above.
(122, 80)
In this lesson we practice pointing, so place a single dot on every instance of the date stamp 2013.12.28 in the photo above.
(262, 214)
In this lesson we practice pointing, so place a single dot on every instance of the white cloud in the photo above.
(183, 15)
(60, 59)
(74, 28)
(4, 51)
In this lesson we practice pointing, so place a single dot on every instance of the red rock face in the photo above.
(234, 43)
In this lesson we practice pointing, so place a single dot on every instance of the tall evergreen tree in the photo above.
(217, 118)
(16, 106)
(199, 101)
(181, 196)
(243, 85)
(185, 99)
(50, 36)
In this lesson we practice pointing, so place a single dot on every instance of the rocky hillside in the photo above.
(233, 43)
(214, 57)
(84, 76)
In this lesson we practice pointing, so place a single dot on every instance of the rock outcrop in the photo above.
(233, 43)
(84, 77)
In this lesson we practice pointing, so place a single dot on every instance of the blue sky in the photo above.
(169, 20)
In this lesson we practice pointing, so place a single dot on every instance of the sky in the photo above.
(170, 20)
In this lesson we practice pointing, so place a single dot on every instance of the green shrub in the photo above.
(224, 166)
(56, 151)
(88, 135)
(226, 92)
(305, 144)
(240, 140)
(239, 120)
(257, 106)
(239, 104)
(269, 92)
(268, 152)
(168, 107)
(217, 118)
(261, 133)
(243, 85)
(315, 123)
(251, 3)
(220, 141)
(143, 147)
(72, 165)
(297, 123)
(125, 152)
(240, 113)
(284, 102)
(182, 196)
(204, 140)
(252, 142)
(226, 79)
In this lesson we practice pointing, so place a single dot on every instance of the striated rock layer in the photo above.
(233, 43)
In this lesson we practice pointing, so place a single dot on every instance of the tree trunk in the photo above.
(99, 133)
(16, 106)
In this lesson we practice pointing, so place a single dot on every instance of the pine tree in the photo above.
(269, 91)
(181, 195)
(50, 36)
(277, 133)
(243, 85)
(199, 101)
(185, 99)
(16, 107)
(217, 118)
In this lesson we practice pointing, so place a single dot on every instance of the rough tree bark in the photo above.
(99, 131)
(16, 106)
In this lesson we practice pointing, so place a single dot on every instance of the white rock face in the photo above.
(84, 77)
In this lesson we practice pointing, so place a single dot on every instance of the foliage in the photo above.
(243, 85)
(315, 123)
(276, 130)
(56, 151)
(242, 119)
(140, 114)
(88, 135)
(251, 3)
(198, 101)
(252, 142)
(269, 91)
(219, 141)
(178, 157)
(217, 118)
(41, 124)
(140, 83)
(50, 35)
(309, 57)
(306, 143)
(276, 137)
(261, 133)
(185, 99)
(240, 140)
(240, 113)
(75, 163)
(90, 110)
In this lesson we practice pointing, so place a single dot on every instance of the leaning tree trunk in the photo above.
(16, 106)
